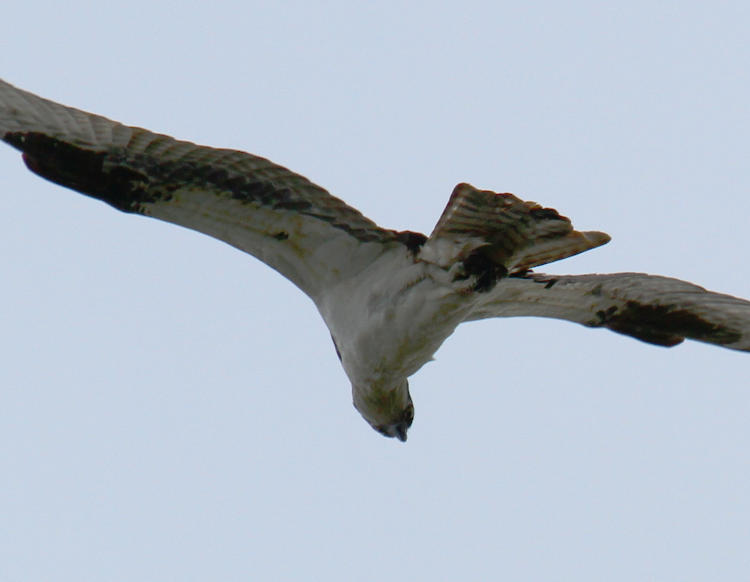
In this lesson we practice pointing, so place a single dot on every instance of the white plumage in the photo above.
(389, 298)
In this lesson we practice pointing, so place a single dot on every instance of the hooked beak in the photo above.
(396, 430)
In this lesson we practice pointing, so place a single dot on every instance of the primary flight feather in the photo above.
(389, 298)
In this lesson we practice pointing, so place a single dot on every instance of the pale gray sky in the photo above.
(172, 409)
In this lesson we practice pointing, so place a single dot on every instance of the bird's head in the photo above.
(390, 412)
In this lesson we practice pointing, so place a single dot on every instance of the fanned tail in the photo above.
(484, 229)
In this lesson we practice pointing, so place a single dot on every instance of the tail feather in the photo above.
(506, 230)
(543, 251)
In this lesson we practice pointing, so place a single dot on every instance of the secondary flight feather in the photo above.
(389, 298)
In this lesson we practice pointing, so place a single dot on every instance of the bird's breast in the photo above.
(389, 321)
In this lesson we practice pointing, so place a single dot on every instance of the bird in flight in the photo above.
(389, 298)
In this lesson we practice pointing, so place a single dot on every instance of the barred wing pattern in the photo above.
(389, 298)
(654, 309)
(280, 217)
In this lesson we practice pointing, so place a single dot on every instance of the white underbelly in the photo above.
(390, 321)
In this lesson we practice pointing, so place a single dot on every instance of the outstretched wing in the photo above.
(278, 216)
(654, 309)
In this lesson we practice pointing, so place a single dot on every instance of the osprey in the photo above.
(389, 298)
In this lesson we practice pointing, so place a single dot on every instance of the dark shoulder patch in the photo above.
(412, 240)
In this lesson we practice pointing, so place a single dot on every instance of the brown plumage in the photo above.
(388, 298)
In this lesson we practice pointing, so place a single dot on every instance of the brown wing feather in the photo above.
(282, 218)
(654, 309)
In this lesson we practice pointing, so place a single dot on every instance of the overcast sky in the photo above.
(172, 409)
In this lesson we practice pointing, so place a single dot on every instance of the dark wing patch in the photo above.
(653, 309)
(127, 180)
(242, 199)
(666, 325)
(83, 170)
